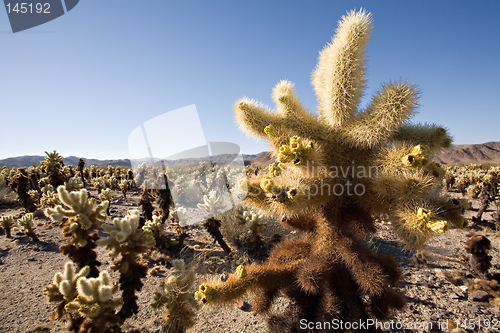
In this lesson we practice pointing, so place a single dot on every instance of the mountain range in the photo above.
(488, 152)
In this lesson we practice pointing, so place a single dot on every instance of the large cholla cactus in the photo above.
(338, 170)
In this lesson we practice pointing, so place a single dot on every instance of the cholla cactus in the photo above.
(251, 219)
(124, 186)
(107, 195)
(74, 184)
(212, 204)
(337, 169)
(63, 287)
(20, 184)
(95, 304)
(26, 224)
(123, 230)
(53, 167)
(126, 238)
(99, 183)
(49, 197)
(7, 222)
(177, 299)
(95, 295)
(83, 215)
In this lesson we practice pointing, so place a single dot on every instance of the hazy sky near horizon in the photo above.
(82, 83)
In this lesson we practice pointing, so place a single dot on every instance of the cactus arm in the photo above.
(390, 108)
(431, 135)
(339, 78)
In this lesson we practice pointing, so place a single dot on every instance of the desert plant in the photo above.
(129, 240)
(7, 196)
(146, 203)
(336, 170)
(7, 223)
(20, 184)
(107, 195)
(212, 225)
(177, 298)
(26, 225)
(53, 167)
(74, 184)
(124, 186)
(82, 215)
(81, 165)
(163, 195)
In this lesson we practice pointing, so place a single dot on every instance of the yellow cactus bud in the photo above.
(439, 226)
(267, 184)
(424, 215)
(244, 184)
(296, 139)
(205, 294)
(292, 193)
(241, 272)
(274, 170)
(418, 150)
(270, 131)
(408, 160)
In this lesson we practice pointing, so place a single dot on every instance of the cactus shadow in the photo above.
(394, 249)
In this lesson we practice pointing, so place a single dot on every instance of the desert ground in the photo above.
(433, 282)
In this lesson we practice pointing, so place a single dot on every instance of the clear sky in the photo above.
(83, 82)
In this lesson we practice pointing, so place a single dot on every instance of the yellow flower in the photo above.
(241, 272)
(408, 160)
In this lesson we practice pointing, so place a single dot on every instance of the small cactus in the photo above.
(27, 226)
(177, 298)
(7, 223)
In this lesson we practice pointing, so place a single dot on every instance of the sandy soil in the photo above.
(27, 267)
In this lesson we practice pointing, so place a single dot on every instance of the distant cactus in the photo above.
(74, 184)
(53, 167)
(335, 171)
(212, 204)
(26, 224)
(20, 184)
(7, 223)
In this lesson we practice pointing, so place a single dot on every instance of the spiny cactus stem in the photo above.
(212, 225)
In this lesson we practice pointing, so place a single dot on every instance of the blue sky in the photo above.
(82, 83)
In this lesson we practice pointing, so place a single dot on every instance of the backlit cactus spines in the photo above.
(95, 297)
(53, 167)
(123, 230)
(74, 184)
(7, 223)
(63, 286)
(76, 206)
(26, 224)
(338, 169)
(177, 298)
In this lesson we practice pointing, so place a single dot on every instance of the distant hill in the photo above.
(488, 152)
(26, 161)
